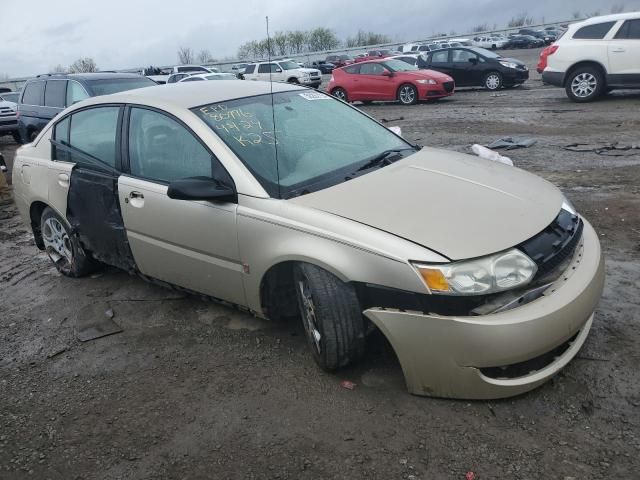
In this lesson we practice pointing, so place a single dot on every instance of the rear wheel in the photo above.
(407, 94)
(293, 80)
(63, 248)
(585, 84)
(331, 316)
(340, 93)
(493, 81)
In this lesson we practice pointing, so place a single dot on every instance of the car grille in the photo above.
(8, 122)
(449, 86)
(555, 245)
(5, 110)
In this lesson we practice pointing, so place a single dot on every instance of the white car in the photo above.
(208, 76)
(174, 74)
(283, 71)
(596, 56)
(490, 43)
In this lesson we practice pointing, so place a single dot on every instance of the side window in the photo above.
(93, 132)
(55, 93)
(263, 68)
(75, 93)
(594, 32)
(462, 56)
(162, 149)
(353, 69)
(440, 57)
(371, 69)
(629, 30)
(249, 68)
(33, 93)
(61, 134)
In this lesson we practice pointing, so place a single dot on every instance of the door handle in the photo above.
(135, 194)
(137, 199)
(63, 180)
(618, 50)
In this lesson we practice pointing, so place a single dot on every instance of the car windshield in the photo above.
(289, 65)
(399, 66)
(320, 140)
(10, 97)
(484, 52)
(115, 85)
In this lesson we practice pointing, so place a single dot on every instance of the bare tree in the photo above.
(280, 43)
(577, 14)
(296, 41)
(322, 38)
(363, 38)
(83, 65)
(59, 68)
(483, 27)
(520, 20)
(185, 55)
(4, 76)
(617, 8)
(205, 57)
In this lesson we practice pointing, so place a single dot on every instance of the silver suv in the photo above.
(8, 114)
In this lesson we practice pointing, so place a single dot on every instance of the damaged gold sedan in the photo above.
(287, 202)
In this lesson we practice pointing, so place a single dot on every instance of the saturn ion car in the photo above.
(483, 277)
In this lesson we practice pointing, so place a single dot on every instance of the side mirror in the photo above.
(201, 188)
(278, 70)
(387, 73)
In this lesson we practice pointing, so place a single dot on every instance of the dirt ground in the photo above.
(194, 390)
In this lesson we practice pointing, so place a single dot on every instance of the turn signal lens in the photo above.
(434, 279)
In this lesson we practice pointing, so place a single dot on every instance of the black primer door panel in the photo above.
(94, 213)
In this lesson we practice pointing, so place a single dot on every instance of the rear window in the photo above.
(192, 69)
(115, 85)
(630, 29)
(594, 32)
(33, 93)
(55, 93)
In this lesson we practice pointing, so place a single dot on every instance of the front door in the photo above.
(192, 244)
(624, 55)
(373, 84)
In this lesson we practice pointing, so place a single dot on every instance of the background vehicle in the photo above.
(473, 66)
(322, 65)
(162, 75)
(408, 58)
(238, 69)
(596, 56)
(8, 115)
(490, 43)
(372, 55)
(209, 76)
(47, 95)
(283, 71)
(339, 60)
(543, 35)
(10, 97)
(388, 80)
(524, 41)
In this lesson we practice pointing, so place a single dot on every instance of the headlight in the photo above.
(568, 206)
(481, 276)
(429, 81)
(509, 64)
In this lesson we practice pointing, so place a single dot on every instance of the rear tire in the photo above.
(63, 247)
(294, 81)
(340, 94)
(331, 315)
(585, 84)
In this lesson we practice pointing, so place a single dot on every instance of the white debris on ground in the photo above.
(488, 154)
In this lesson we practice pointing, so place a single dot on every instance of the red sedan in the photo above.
(388, 80)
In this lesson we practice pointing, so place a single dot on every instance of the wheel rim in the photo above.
(340, 94)
(493, 81)
(407, 94)
(309, 315)
(57, 243)
(584, 85)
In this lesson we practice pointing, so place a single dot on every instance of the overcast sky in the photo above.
(39, 34)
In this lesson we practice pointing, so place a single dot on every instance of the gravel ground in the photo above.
(194, 390)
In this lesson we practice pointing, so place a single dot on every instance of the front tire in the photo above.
(63, 248)
(493, 81)
(585, 84)
(331, 315)
(340, 94)
(407, 94)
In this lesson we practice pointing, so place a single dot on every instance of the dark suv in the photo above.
(47, 95)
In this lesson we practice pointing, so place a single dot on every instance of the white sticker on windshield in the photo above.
(314, 96)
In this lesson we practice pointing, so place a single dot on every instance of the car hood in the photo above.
(308, 70)
(438, 76)
(457, 205)
(4, 103)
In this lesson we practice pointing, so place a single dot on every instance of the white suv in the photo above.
(596, 56)
(283, 71)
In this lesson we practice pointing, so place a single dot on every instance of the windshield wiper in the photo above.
(383, 159)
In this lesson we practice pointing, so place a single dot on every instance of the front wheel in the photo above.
(63, 248)
(408, 94)
(340, 94)
(331, 316)
(493, 81)
(584, 84)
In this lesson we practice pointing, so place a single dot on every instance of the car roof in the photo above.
(187, 95)
(607, 18)
(88, 76)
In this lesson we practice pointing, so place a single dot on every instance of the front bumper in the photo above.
(431, 92)
(456, 356)
(8, 123)
(313, 82)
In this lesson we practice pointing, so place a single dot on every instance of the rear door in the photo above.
(439, 60)
(192, 244)
(624, 54)
(465, 66)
